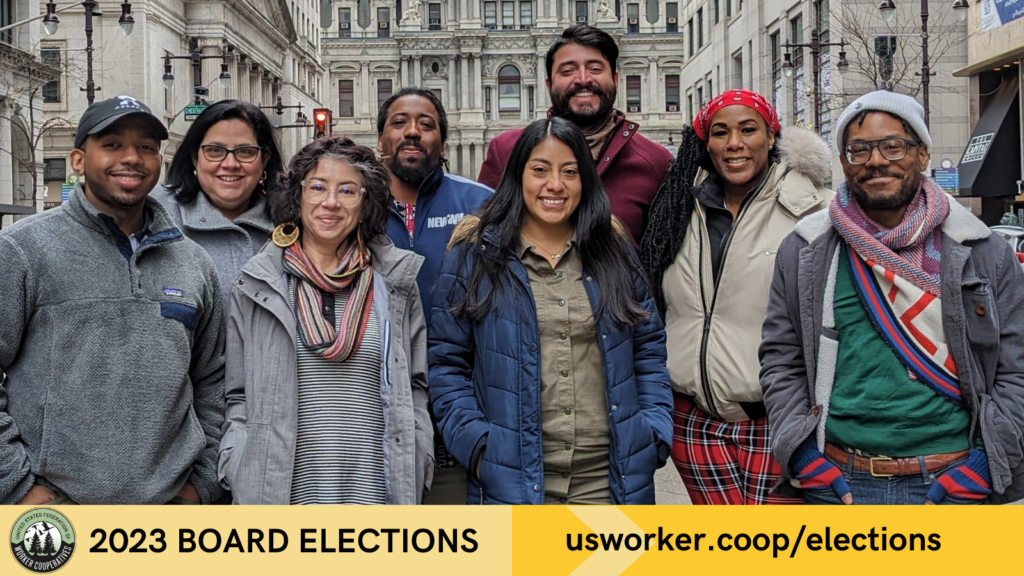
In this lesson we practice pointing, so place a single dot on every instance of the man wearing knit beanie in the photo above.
(916, 310)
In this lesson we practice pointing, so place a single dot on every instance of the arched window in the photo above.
(508, 89)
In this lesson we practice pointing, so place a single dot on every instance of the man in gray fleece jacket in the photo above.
(111, 335)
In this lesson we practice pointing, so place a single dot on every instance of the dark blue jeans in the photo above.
(868, 489)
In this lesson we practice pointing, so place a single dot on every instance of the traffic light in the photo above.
(321, 122)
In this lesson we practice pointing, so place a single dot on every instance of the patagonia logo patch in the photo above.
(173, 292)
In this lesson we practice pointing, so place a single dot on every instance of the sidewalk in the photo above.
(668, 488)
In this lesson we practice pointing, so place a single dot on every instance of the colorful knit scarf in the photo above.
(912, 250)
(317, 333)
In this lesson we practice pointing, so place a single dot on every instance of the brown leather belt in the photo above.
(882, 467)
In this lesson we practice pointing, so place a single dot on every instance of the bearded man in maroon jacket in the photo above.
(582, 82)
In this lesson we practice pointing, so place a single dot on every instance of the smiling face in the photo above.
(327, 223)
(411, 140)
(881, 184)
(229, 184)
(582, 85)
(121, 165)
(551, 184)
(738, 142)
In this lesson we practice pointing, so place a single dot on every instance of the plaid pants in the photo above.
(724, 462)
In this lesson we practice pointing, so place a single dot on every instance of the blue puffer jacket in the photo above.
(443, 200)
(485, 386)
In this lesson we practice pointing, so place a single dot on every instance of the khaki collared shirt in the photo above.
(573, 406)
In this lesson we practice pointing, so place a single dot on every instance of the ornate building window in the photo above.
(672, 17)
(51, 90)
(581, 13)
(508, 15)
(434, 14)
(344, 23)
(776, 69)
(632, 18)
(6, 19)
(700, 27)
(509, 94)
(672, 92)
(525, 15)
(383, 91)
(490, 15)
(796, 26)
(346, 98)
(383, 22)
(632, 93)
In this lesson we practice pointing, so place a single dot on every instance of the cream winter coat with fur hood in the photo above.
(713, 333)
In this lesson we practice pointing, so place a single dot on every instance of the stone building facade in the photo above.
(22, 76)
(485, 60)
(271, 48)
(741, 44)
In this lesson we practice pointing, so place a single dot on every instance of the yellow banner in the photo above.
(495, 541)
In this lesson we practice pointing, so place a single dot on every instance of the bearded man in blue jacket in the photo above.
(427, 203)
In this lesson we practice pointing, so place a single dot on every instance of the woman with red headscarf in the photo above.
(737, 188)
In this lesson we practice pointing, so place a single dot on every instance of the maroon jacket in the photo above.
(631, 168)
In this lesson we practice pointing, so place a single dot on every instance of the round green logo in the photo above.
(42, 540)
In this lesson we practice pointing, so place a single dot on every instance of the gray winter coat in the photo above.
(229, 243)
(257, 454)
(114, 360)
(983, 317)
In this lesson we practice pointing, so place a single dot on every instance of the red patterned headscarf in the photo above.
(702, 123)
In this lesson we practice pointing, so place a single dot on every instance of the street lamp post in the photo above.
(815, 46)
(50, 22)
(197, 57)
(888, 9)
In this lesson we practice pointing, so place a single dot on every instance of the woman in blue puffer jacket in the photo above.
(547, 355)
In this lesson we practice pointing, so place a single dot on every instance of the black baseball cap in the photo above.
(102, 114)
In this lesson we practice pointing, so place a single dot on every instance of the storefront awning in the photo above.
(990, 165)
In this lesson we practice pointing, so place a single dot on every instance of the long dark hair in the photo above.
(284, 202)
(181, 176)
(673, 206)
(604, 250)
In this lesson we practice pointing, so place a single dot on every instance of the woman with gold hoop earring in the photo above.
(326, 349)
(215, 189)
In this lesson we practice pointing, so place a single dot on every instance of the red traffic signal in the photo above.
(321, 122)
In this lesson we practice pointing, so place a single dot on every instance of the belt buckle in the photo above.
(871, 466)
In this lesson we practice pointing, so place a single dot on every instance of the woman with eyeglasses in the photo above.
(738, 186)
(326, 355)
(547, 356)
(215, 188)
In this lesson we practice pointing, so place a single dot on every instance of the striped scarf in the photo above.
(317, 333)
(912, 250)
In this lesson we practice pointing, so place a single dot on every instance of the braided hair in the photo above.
(671, 210)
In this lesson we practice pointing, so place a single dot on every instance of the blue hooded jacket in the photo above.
(485, 387)
(443, 200)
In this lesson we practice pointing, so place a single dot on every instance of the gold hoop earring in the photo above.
(285, 234)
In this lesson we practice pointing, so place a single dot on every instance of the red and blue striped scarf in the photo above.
(912, 250)
(897, 274)
(317, 333)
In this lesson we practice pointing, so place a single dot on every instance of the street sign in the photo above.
(67, 186)
(948, 179)
(192, 111)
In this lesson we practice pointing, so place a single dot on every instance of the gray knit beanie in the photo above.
(898, 105)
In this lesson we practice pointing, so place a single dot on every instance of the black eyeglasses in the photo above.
(892, 149)
(217, 153)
